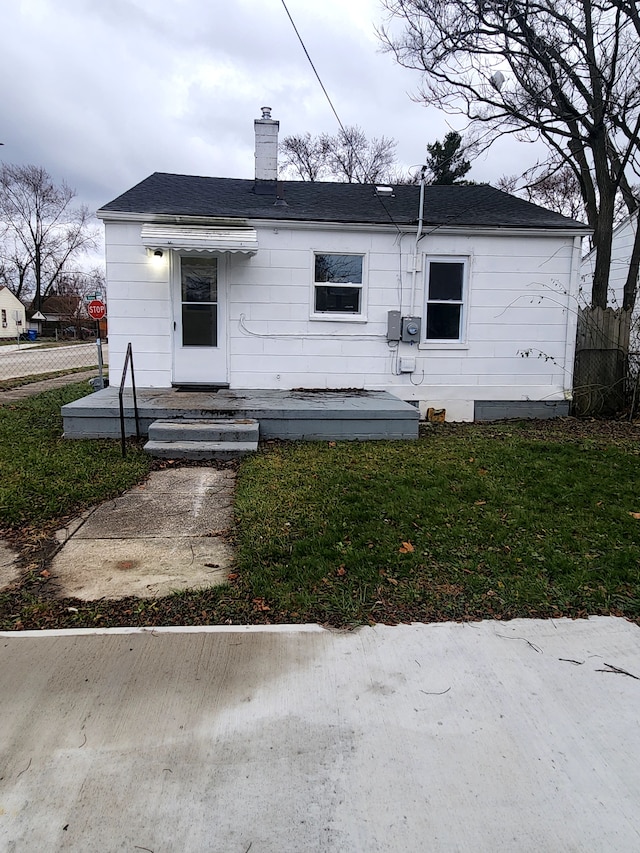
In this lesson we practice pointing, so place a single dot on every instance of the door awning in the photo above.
(199, 238)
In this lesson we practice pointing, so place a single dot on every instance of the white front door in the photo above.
(199, 321)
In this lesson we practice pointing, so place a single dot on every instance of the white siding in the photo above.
(139, 308)
(621, 246)
(11, 305)
(518, 303)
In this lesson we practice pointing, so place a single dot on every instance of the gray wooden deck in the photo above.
(321, 415)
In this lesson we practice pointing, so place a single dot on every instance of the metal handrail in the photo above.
(128, 361)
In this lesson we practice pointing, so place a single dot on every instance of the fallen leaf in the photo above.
(332, 444)
(341, 571)
(232, 576)
(45, 574)
(634, 514)
(479, 503)
(406, 548)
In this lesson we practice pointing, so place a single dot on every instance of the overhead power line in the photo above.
(335, 112)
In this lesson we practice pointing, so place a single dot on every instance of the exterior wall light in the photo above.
(156, 257)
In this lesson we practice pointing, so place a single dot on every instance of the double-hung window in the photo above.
(446, 288)
(338, 285)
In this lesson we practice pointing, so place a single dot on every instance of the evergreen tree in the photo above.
(446, 162)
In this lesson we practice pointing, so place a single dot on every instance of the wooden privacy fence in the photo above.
(601, 366)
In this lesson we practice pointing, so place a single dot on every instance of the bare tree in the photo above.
(564, 71)
(347, 156)
(305, 155)
(75, 290)
(555, 188)
(14, 268)
(40, 231)
(356, 159)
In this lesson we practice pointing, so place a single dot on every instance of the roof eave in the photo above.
(168, 218)
(305, 224)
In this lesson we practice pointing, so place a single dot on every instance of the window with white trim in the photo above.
(446, 288)
(338, 282)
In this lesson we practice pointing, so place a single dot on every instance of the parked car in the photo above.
(73, 332)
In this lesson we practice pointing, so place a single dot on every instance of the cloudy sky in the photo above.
(104, 92)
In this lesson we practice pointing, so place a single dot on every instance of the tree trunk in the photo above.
(631, 284)
(37, 270)
(600, 288)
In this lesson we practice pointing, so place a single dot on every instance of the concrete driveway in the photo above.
(518, 736)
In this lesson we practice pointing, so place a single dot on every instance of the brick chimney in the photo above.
(266, 130)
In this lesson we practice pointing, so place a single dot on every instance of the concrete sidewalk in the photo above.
(166, 534)
(518, 736)
(31, 389)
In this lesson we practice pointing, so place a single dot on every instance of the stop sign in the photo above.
(96, 309)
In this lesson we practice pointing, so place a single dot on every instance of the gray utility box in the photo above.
(393, 325)
(411, 330)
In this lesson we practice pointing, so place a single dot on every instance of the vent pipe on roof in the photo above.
(266, 130)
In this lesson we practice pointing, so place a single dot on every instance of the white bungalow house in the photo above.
(460, 299)
(13, 317)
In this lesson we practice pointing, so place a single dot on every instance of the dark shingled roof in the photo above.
(187, 195)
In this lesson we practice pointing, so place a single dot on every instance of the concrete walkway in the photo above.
(167, 534)
(519, 736)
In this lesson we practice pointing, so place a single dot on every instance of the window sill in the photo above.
(443, 345)
(338, 318)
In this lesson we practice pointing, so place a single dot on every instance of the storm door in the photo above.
(199, 328)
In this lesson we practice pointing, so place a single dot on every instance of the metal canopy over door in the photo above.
(199, 321)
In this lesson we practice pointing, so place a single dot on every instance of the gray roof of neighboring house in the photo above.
(474, 206)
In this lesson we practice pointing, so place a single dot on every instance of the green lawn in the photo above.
(471, 521)
(43, 477)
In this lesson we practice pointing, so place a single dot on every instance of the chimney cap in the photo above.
(266, 112)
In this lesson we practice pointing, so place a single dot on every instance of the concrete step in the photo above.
(233, 429)
(200, 449)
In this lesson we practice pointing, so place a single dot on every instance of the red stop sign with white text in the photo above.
(96, 309)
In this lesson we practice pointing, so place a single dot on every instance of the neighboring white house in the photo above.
(13, 316)
(465, 302)
(621, 247)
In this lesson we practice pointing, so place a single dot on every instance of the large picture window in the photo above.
(446, 291)
(338, 284)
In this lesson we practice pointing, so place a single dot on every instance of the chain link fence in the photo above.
(605, 371)
(27, 361)
(601, 382)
